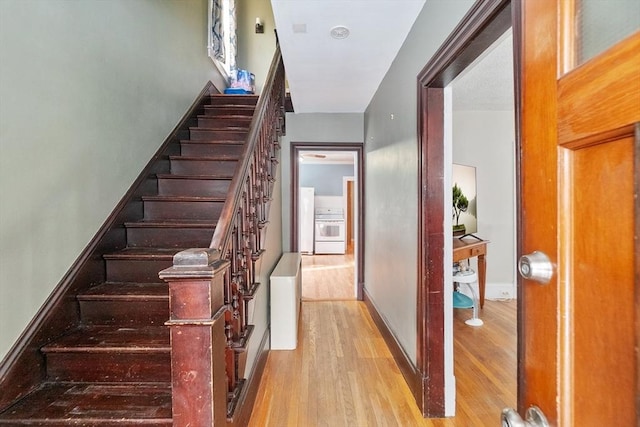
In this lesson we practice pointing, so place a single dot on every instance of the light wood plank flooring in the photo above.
(328, 277)
(342, 373)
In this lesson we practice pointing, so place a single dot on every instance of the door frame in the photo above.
(485, 22)
(358, 148)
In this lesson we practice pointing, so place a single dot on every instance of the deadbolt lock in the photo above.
(536, 266)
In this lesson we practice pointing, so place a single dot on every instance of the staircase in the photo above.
(113, 366)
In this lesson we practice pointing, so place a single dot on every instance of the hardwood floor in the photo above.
(342, 373)
(328, 277)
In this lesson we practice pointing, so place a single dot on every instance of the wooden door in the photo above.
(349, 216)
(579, 142)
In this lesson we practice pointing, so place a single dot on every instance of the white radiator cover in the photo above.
(286, 291)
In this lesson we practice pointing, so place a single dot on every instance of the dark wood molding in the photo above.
(247, 398)
(296, 147)
(475, 33)
(430, 356)
(288, 104)
(23, 366)
(516, 14)
(409, 371)
(485, 22)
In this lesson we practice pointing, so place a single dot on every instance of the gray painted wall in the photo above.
(326, 179)
(255, 51)
(391, 180)
(88, 91)
(258, 311)
(319, 127)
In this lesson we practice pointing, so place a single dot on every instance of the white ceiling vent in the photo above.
(300, 28)
(340, 32)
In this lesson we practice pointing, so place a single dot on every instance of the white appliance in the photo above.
(306, 218)
(330, 231)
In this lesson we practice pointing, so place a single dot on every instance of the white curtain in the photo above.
(217, 31)
(223, 43)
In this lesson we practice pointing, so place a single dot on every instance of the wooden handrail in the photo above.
(210, 289)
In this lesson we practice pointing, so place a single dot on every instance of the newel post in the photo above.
(196, 323)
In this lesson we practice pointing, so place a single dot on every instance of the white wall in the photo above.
(320, 127)
(88, 92)
(486, 140)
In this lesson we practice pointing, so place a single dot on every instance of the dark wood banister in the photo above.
(222, 233)
(209, 288)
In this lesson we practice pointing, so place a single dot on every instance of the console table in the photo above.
(468, 248)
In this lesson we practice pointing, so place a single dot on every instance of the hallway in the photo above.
(342, 373)
(328, 277)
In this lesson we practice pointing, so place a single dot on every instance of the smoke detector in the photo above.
(339, 32)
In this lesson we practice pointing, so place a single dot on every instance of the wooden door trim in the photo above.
(358, 148)
(485, 22)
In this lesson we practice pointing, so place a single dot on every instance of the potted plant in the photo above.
(460, 204)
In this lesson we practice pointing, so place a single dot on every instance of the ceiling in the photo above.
(328, 75)
(487, 84)
(336, 75)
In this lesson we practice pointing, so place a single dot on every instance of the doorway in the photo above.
(482, 26)
(333, 174)
(481, 136)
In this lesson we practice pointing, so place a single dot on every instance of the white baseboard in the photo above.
(498, 291)
(493, 291)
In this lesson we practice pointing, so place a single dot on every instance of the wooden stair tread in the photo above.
(100, 339)
(144, 253)
(195, 177)
(224, 110)
(126, 292)
(244, 117)
(183, 199)
(173, 223)
(249, 106)
(223, 130)
(223, 158)
(211, 141)
(93, 404)
(234, 98)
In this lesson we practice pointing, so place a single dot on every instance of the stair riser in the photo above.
(194, 187)
(203, 134)
(152, 366)
(202, 167)
(125, 313)
(135, 271)
(210, 149)
(182, 210)
(222, 122)
(178, 237)
(233, 100)
(222, 111)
